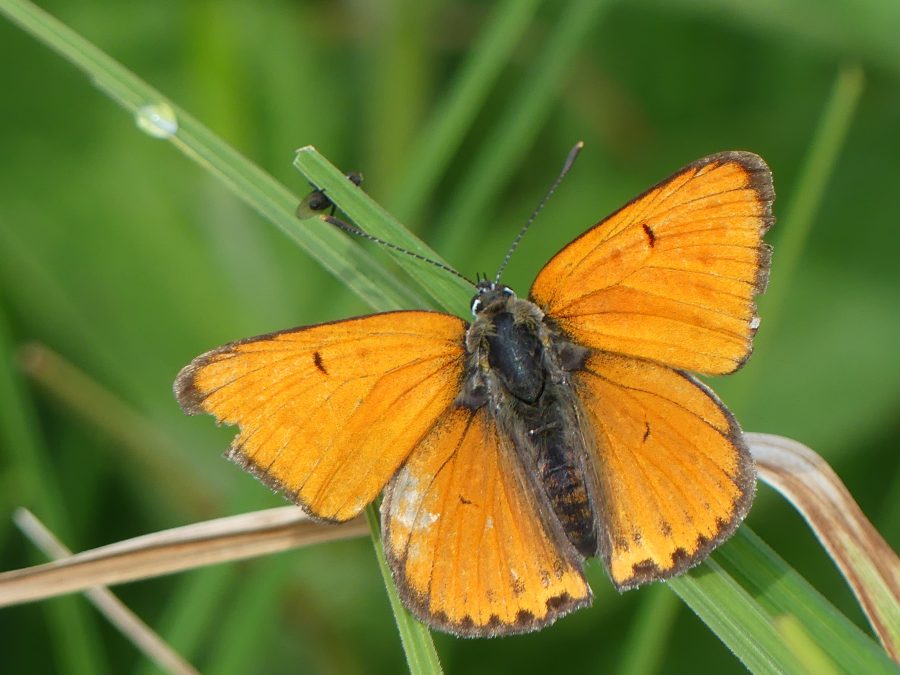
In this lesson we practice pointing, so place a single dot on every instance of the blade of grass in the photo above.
(739, 622)
(417, 643)
(335, 251)
(526, 112)
(869, 565)
(459, 106)
(451, 292)
(807, 650)
(260, 191)
(72, 631)
(778, 589)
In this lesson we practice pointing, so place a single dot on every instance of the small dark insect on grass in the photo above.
(317, 200)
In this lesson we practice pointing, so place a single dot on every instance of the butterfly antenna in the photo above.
(354, 230)
(570, 160)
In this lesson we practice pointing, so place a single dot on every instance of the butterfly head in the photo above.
(491, 297)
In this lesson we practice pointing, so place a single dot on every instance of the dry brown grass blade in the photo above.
(116, 612)
(152, 555)
(867, 562)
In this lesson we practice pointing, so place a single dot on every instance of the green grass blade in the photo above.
(455, 114)
(799, 642)
(525, 113)
(449, 291)
(417, 643)
(783, 592)
(260, 191)
(742, 592)
(739, 622)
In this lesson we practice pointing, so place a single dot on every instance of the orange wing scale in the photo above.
(311, 403)
(672, 275)
(673, 474)
(463, 532)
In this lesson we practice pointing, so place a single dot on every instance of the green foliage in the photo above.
(129, 261)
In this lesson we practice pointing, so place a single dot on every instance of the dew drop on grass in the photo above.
(158, 120)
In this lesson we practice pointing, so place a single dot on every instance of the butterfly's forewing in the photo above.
(671, 276)
(328, 413)
(464, 534)
(674, 476)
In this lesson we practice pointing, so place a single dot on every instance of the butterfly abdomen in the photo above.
(531, 403)
(563, 481)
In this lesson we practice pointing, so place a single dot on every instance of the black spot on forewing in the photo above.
(651, 235)
(646, 431)
(317, 360)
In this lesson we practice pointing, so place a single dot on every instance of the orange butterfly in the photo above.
(547, 431)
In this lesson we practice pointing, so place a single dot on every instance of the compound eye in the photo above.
(476, 306)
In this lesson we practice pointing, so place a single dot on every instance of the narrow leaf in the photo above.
(868, 563)
(448, 290)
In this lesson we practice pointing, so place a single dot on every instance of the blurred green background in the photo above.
(128, 260)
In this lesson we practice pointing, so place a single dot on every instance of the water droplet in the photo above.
(158, 120)
(754, 323)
